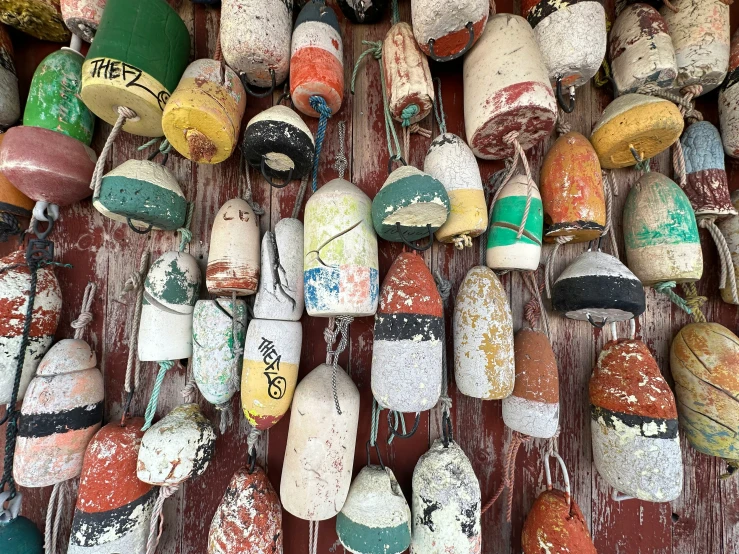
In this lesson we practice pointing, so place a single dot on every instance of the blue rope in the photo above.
(151, 409)
(319, 104)
(410, 111)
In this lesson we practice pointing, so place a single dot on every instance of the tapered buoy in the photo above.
(729, 227)
(446, 502)
(376, 518)
(15, 286)
(249, 518)
(39, 18)
(506, 90)
(446, 31)
(113, 505)
(363, 11)
(660, 232)
(20, 535)
(409, 335)
(82, 17)
(170, 292)
(633, 420)
(341, 267)
(12, 200)
(728, 103)
(233, 260)
(320, 442)
(483, 337)
(10, 107)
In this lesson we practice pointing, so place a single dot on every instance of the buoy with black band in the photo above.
(363, 11)
(82, 17)
(446, 31)
(39, 18)
(10, 106)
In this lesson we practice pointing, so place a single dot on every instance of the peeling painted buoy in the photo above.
(636, 444)
(39, 18)
(249, 518)
(729, 227)
(320, 442)
(10, 107)
(363, 11)
(19, 535)
(446, 30)
(12, 200)
(408, 338)
(82, 17)
(728, 103)
(484, 364)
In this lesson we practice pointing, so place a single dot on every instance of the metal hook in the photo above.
(285, 94)
(392, 159)
(423, 248)
(450, 57)
(379, 457)
(269, 180)
(252, 461)
(41, 235)
(242, 78)
(136, 230)
(392, 432)
(597, 325)
(566, 107)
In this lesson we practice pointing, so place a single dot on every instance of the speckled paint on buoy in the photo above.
(729, 227)
(62, 410)
(506, 89)
(12, 200)
(249, 518)
(15, 285)
(10, 107)
(448, 25)
(363, 11)
(555, 526)
(317, 470)
(728, 103)
(483, 337)
(408, 338)
(39, 18)
(20, 536)
(633, 422)
(83, 16)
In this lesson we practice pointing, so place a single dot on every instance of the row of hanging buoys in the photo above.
(39, 18)
(82, 17)
(728, 103)
(363, 11)
(10, 106)
(445, 32)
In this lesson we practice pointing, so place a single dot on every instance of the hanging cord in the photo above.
(603, 76)
(374, 427)
(694, 302)
(134, 283)
(247, 192)
(439, 108)
(444, 287)
(728, 276)
(534, 310)
(251, 448)
(558, 241)
(299, 197)
(665, 288)
(151, 408)
(124, 114)
(610, 189)
(9, 226)
(337, 327)
(156, 524)
(313, 537)
(517, 439)
(57, 507)
(85, 316)
(562, 126)
(396, 13)
(218, 54)
(185, 233)
(407, 131)
(164, 148)
(341, 163)
(324, 113)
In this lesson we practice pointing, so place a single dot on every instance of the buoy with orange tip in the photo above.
(82, 17)
(445, 31)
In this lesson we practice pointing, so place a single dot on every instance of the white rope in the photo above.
(124, 114)
(135, 282)
(85, 316)
(54, 512)
(608, 188)
(559, 241)
(727, 265)
(313, 537)
(156, 524)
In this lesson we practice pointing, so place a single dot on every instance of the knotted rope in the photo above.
(324, 113)
(694, 302)
(444, 287)
(509, 468)
(85, 316)
(558, 241)
(666, 288)
(407, 131)
(534, 310)
(156, 524)
(610, 188)
(337, 327)
(134, 283)
(185, 233)
(124, 114)
(151, 408)
(57, 507)
(313, 537)
(341, 163)
(562, 126)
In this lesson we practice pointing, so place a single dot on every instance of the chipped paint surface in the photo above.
(445, 23)
(82, 17)
(10, 107)
(728, 103)
(39, 18)
(729, 227)
(552, 526)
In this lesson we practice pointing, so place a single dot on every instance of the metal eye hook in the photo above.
(423, 248)
(450, 57)
(41, 235)
(597, 325)
(269, 180)
(392, 432)
(139, 231)
(242, 78)
(394, 159)
(567, 107)
(14, 506)
(379, 457)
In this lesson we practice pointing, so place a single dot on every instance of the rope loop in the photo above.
(666, 288)
(319, 104)
(151, 408)
(124, 114)
(85, 316)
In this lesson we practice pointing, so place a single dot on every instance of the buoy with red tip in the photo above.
(446, 31)
(82, 17)
(10, 107)
(728, 103)
(363, 11)
(39, 18)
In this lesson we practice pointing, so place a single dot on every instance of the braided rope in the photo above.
(444, 286)
(439, 108)
(694, 301)
(54, 511)
(563, 127)
(727, 265)
(324, 112)
(337, 327)
(313, 537)
(558, 241)
(156, 523)
(517, 439)
(151, 408)
(666, 288)
(185, 233)
(9, 226)
(534, 310)
(341, 163)
(85, 316)
(135, 283)
(124, 114)
(609, 188)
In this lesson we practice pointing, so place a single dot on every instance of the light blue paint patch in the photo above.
(702, 147)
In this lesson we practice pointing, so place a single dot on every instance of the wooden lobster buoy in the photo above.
(170, 292)
(505, 250)
(61, 412)
(202, 119)
(446, 502)
(15, 285)
(341, 274)
(636, 444)
(641, 52)
(445, 30)
(142, 192)
(728, 103)
(572, 190)
(647, 124)
(376, 518)
(660, 232)
(317, 58)
(82, 17)
(410, 205)
(506, 90)
(729, 227)
(39, 18)
(320, 441)
(701, 36)
(249, 518)
(450, 161)
(363, 11)
(533, 406)
(10, 106)
(139, 53)
(484, 364)
(19, 535)
(113, 506)
(408, 339)
(255, 38)
(12, 200)
(233, 260)
(215, 366)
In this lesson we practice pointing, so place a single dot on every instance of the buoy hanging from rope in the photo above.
(18, 535)
(446, 31)
(728, 103)
(729, 228)
(39, 18)
(363, 11)
(10, 106)
(82, 17)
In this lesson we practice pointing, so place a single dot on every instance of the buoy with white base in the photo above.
(10, 107)
(82, 17)
(446, 31)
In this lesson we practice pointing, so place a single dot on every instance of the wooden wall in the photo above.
(705, 519)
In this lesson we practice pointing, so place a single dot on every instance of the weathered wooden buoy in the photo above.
(506, 90)
(363, 11)
(15, 286)
(444, 30)
(647, 124)
(39, 18)
(375, 518)
(18, 535)
(341, 274)
(633, 421)
(533, 406)
(249, 518)
(505, 250)
(446, 502)
(10, 107)
(143, 192)
(113, 505)
(320, 441)
(484, 364)
(700, 33)
(82, 17)
(728, 103)
(139, 53)
(641, 52)
(12, 200)
(233, 260)
(255, 38)
(729, 227)
(317, 58)
(660, 232)
(703, 360)
(572, 190)
(62, 410)
(450, 161)
(170, 292)
(408, 339)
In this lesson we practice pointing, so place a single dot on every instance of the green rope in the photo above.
(185, 233)
(397, 418)
(151, 409)
(409, 112)
(666, 288)
(396, 12)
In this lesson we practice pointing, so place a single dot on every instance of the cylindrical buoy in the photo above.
(15, 286)
(83, 16)
(446, 502)
(12, 200)
(233, 260)
(19, 535)
(728, 103)
(506, 90)
(484, 364)
(375, 518)
(633, 421)
(341, 274)
(171, 289)
(446, 30)
(316, 58)
(249, 518)
(660, 232)
(363, 11)
(10, 106)
(729, 227)
(39, 18)
(271, 361)
(408, 338)
(113, 507)
(320, 441)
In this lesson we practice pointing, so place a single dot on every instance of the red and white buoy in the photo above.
(447, 30)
